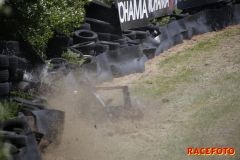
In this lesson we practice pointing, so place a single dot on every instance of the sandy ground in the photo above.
(92, 133)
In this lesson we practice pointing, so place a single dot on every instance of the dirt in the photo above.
(135, 134)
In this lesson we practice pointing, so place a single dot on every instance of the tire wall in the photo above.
(202, 22)
(116, 63)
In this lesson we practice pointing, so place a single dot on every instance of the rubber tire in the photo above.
(30, 107)
(13, 63)
(4, 88)
(112, 45)
(10, 124)
(130, 34)
(29, 103)
(172, 19)
(4, 76)
(104, 36)
(121, 41)
(86, 46)
(179, 16)
(81, 36)
(123, 45)
(100, 26)
(141, 35)
(133, 43)
(58, 62)
(4, 62)
(85, 26)
(101, 48)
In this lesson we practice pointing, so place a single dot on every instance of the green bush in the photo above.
(162, 21)
(37, 20)
(74, 57)
(8, 110)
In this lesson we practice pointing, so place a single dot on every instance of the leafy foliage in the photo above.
(74, 57)
(37, 20)
(8, 110)
(162, 21)
(177, 11)
(21, 95)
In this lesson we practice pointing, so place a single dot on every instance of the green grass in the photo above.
(207, 98)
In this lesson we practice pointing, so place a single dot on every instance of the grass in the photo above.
(207, 97)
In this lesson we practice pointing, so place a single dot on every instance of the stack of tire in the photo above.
(8, 67)
(17, 136)
(11, 67)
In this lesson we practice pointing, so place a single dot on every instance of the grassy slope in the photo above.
(201, 88)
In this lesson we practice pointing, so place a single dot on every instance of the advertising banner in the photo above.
(137, 13)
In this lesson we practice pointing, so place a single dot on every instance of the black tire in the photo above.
(104, 36)
(133, 43)
(100, 26)
(58, 62)
(86, 46)
(4, 76)
(112, 45)
(9, 47)
(179, 16)
(4, 89)
(4, 61)
(141, 34)
(86, 26)
(123, 45)
(101, 48)
(9, 125)
(118, 39)
(130, 34)
(29, 103)
(30, 107)
(172, 19)
(13, 63)
(81, 36)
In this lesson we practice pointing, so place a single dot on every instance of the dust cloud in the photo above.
(91, 130)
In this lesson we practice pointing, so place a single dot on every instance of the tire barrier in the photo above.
(23, 139)
(184, 27)
(110, 56)
(18, 133)
(202, 22)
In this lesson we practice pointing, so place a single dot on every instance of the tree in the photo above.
(36, 21)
